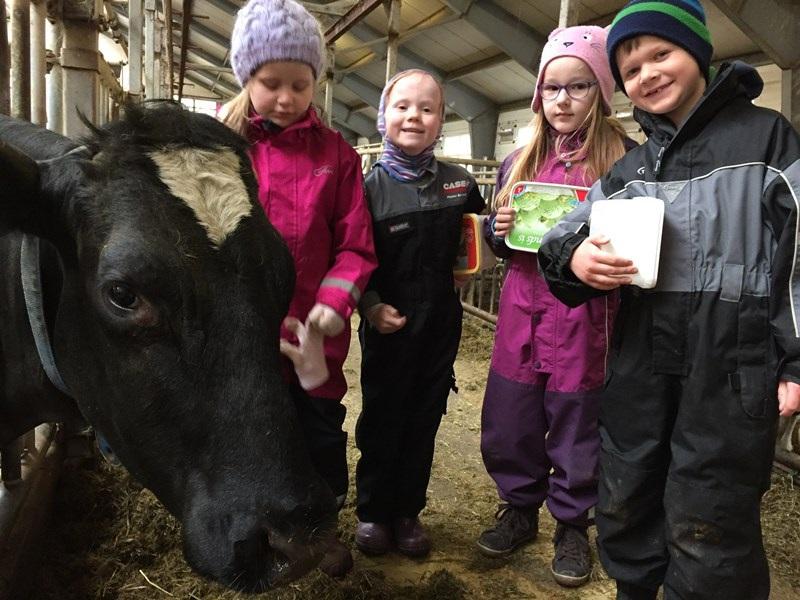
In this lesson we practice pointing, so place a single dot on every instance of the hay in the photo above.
(477, 337)
(780, 521)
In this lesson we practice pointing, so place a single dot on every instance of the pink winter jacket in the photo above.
(311, 189)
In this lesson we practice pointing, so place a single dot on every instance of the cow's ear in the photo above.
(19, 189)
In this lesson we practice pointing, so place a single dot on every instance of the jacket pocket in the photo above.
(751, 383)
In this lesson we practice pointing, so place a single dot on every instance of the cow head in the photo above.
(167, 331)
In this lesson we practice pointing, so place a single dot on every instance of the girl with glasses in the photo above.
(539, 437)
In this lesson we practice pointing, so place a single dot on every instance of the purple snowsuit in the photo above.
(539, 436)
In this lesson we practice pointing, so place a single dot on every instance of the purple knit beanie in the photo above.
(274, 30)
(586, 42)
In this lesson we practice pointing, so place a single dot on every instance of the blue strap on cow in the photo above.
(31, 275)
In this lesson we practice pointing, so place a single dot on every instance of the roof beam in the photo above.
(460, 98)
(213, 84)
(205, 85)
(225, 6)
(206, 32)
(772, 24)
(486, 63)
(336, 8)
(507, 32)
(357, 12)
(437, 19)
(363, 89)
(196, 28)
(362, 125)
(756, 59)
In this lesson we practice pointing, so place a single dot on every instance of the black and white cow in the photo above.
(164, 289)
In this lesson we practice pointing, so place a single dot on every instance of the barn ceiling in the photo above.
(486, 51)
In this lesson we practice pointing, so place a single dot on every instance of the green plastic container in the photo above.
(539, 206)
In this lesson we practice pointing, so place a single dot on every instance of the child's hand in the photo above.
(788, 398)
(599, 269)
(308, 357)
(385, 318)
(327, 320)
(504, 220)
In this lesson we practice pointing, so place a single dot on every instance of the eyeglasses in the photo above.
(577, 90)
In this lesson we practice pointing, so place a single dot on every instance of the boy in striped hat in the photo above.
(701, 365)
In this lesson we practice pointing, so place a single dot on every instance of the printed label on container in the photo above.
(539, 206)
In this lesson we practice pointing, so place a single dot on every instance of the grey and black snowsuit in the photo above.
(689, 414)
(406, 375)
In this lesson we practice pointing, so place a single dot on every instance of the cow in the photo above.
(163, 290)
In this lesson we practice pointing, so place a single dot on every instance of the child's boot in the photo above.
(411, 538)
(373, 538)
(515, 526)
(573, 560)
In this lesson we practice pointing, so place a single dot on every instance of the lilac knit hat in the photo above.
(274, 30)
(586, 42)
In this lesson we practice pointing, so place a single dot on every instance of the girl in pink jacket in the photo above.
(311, 189)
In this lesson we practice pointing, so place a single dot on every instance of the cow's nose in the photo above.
(267, 558)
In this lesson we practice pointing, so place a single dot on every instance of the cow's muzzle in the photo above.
(268, 559)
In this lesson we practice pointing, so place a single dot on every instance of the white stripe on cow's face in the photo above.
(209, 181)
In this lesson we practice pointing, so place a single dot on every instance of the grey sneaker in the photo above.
(515, 526)
(572, 563)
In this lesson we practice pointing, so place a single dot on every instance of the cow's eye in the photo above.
(122, 296)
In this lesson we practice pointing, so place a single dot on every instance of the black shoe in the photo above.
(572, 563)
(515, 526)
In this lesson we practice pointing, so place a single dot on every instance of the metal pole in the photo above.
(150, 49)
(38, 63)
(790, 95)
(135, 37)
(330, 73)
(568, 15)
(5, 65)
(55, 81)
(159, 73)
(393, 35)
(170, 82)
(79, 63)
(21, 59)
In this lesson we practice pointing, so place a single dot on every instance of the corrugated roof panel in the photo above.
(346, 96)
(449, 44)
(504, 83)
(454, 45)
(375, 73)
(541, 15)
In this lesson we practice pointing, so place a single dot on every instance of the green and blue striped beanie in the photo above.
(682, 22)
